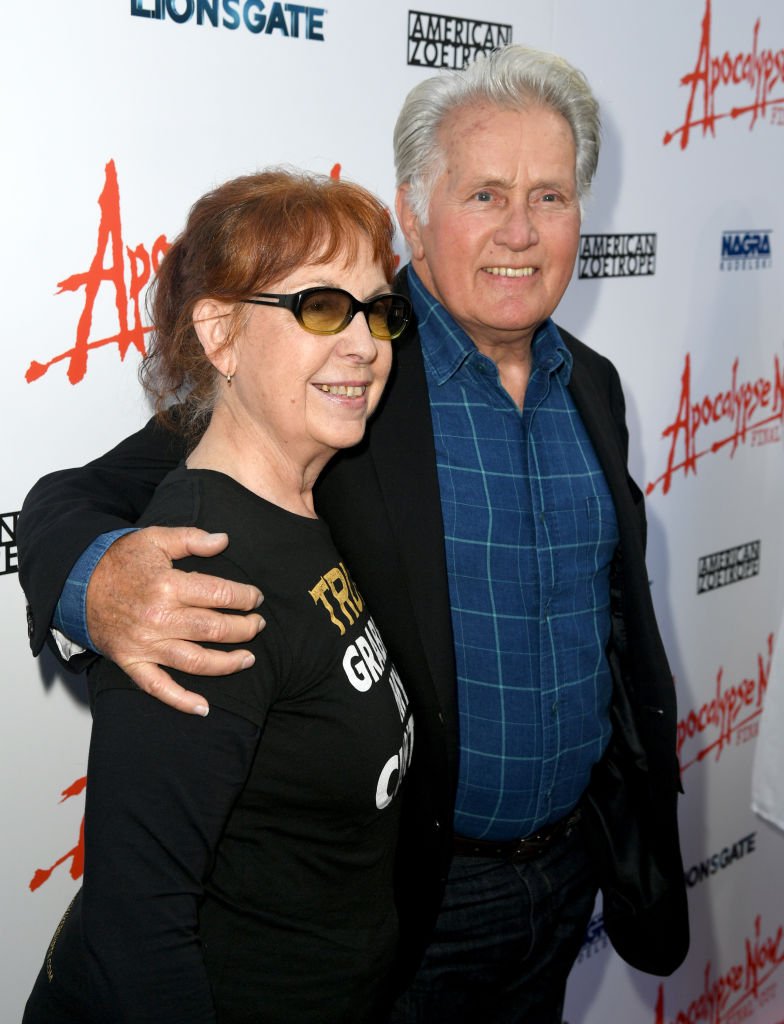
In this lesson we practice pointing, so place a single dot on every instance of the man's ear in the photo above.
(211, 321)
(409, 222)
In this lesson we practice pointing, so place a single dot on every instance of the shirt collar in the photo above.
(446, 346)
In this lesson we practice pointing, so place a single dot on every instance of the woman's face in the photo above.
(310, 392)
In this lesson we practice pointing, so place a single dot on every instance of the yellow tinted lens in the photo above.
(325, 311)
(387, 317)
(378, 318)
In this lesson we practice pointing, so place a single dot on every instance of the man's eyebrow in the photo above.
(485, 182)
(477, 184)
(556, 183)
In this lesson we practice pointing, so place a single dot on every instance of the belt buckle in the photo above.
(532, 846)
(528, 848)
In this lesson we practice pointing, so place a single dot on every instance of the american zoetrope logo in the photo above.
(8, 554)
(442, 41)
(729, 566)
(631, 255)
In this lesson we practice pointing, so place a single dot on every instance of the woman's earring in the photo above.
(228, 378)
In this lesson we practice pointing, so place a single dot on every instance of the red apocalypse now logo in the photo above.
(128, 272)
(141, 263)
(731, 715)
(734, 995)
(74, 855)
(745, 411)
(758, 71)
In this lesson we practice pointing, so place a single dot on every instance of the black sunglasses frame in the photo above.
(294, 302)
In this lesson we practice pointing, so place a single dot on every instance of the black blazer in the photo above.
(382, 502)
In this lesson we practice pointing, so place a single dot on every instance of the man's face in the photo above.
(504, 226)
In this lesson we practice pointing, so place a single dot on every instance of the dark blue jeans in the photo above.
(505, 941)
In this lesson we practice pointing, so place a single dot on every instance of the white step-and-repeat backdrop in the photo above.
(117, 114)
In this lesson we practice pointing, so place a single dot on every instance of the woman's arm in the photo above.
(160, 788)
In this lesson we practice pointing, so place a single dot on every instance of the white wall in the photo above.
(174, 108)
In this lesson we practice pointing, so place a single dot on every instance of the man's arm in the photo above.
(140, 612)
(67, 510)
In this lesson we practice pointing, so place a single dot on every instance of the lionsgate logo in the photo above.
(297, 21)
(745, 250)
(8, 556)
(719, 860)
(442, 41)
(631, 255)
(730, 566)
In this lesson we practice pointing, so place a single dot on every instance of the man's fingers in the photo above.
(147, 617)
(179, 541)
(190, 658)
(164, 623)
(153, 680)
(199, 590)
(201, 661)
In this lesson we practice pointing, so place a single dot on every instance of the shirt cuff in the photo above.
(69, 622)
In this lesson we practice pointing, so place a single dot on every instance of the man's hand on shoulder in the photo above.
(144, 614)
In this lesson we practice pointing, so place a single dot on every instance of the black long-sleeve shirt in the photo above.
(239, 868)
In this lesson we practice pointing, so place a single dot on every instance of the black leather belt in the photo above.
(527, 848)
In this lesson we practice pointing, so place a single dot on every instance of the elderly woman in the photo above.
(239, 867)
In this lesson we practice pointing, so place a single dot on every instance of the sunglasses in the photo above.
(331, 310)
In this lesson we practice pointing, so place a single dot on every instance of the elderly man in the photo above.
(492, 526)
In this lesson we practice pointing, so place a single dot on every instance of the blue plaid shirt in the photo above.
(530, 531)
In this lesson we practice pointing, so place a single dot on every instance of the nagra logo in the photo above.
(746, 411)
(115, 266)
(745, 250)
(596, 938)
(75, 855)
(365, 663)
(760, 71)
(731, 716)
(739, 991)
